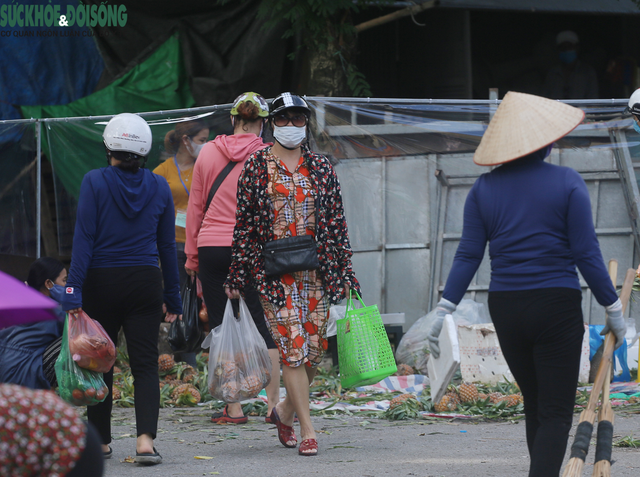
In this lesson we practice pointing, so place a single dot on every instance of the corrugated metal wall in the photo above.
(405, 225)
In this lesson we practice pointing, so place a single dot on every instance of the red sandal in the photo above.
(308, 445)
(286, 433)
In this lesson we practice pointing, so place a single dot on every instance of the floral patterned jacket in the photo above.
(254, 227)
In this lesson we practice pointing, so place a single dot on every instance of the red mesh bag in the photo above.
(89, 344)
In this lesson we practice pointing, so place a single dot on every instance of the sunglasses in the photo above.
(298, 120)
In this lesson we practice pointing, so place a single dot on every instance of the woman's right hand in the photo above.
(232, 293)
(190, 272)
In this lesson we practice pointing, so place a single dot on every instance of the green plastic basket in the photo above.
(364, 351)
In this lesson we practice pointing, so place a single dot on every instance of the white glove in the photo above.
(615, 322)
(443, 308)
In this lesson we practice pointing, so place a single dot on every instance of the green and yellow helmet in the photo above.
(254, 98)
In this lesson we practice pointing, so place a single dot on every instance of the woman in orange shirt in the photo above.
(185, 143)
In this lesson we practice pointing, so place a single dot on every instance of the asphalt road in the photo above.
(349, 446)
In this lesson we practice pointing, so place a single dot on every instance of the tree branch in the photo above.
(395, 15)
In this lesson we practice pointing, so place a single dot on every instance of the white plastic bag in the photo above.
(414, 349)
(336, 313)
(239, 362)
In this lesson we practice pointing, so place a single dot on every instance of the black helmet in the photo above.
(288, 100)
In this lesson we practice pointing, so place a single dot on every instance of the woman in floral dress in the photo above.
(284, 191)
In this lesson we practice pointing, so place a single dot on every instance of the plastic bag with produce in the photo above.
(89, 344)
(239, 362)
(76, 385)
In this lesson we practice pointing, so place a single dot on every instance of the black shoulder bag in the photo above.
(216, 184)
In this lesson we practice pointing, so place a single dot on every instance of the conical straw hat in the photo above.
(524, 123)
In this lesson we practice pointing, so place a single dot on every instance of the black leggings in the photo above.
(540, 333)
(214, 263)
(131, 298)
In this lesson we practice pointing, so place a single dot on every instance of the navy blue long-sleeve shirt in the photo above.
(124, 219)
(537, 219)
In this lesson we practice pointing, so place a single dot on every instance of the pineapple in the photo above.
(404, 370)
(165, 363)
(188, 374)
(496, 397)
(186, 394)
(117, 370)
(251, 386)
(482, 397)
(446, 404)
(633, 400)
(468, 392)
(116, 393)
(512, 399)
(454, 399)
(396, 401)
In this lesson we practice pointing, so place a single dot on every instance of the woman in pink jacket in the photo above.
(209, 232)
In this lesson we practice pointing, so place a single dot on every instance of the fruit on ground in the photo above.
(116, 393)
(404, 370)
(186, 394)
(513, 399)
(189, 374)
(398, 400)
(496, 397)
(468, 392)
(446, 404)
(453, 397)
(165, 363)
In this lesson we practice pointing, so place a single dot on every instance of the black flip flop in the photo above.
(148, 458)
(107, 455)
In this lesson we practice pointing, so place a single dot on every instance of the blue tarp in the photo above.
(45, 70)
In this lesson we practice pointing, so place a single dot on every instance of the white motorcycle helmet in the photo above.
(634, 103)
(128, 133)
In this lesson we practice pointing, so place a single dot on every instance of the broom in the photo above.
(602, 467)
(581, 440)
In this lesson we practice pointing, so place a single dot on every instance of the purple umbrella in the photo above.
(20, 304)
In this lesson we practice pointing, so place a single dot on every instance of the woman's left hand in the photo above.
(171, 317)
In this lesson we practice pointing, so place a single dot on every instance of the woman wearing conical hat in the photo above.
(537, 219)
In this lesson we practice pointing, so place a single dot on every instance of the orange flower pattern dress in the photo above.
(299, 327)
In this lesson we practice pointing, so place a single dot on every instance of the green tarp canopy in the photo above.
(74, 146)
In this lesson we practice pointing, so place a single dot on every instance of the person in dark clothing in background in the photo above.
(125, 219)
(537, 219)
(28, 352)
(572, 78)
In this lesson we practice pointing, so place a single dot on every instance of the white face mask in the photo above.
(289, 137)
(196, 148)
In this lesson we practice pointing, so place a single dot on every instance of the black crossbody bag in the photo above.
(292, 254)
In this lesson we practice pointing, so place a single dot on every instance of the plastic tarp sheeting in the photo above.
(75, 147)
(45, 70)
(18, 190)
(226, 49)
(361, 128)
(345, 129)
(158, 83)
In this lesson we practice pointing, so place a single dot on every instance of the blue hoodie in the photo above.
(124, 219)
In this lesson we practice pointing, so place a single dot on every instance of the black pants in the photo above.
(91, 461)
(540, 333)
(131, 298)
(214, 263)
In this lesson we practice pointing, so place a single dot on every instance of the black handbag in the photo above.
(292, 254)
(186, 335)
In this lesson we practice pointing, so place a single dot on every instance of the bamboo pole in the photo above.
(580, 446)
(604, 444)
